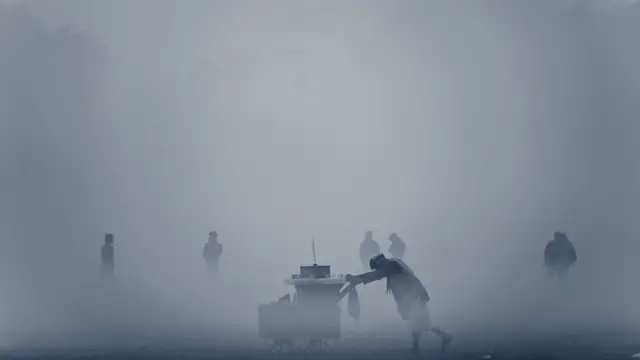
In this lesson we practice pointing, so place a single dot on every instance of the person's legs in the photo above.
(417, 324)
(212, 267)
(419, 321)
(108, 278)
(561, 273)
(365, 265)
(445, 337)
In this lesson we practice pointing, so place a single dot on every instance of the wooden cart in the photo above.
(309, 322)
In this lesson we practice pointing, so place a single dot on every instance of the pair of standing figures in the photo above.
(211, 253)
(370, 248)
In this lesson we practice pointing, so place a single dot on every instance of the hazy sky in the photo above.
(472, 127)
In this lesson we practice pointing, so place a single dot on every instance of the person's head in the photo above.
(393, 237)
(108, 239)
(377, 261)
(560, 236)
(368, 236)
(213, 236)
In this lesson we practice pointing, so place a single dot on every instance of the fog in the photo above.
(473, 129)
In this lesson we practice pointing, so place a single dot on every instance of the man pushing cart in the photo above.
(410, 295)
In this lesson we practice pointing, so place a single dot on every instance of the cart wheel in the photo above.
(300, 346)
(320, 346)
(280, 346)
(271, 346)
(329, 345)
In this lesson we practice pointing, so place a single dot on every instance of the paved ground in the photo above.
(584, 346)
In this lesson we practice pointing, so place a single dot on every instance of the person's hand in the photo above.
(352, 279)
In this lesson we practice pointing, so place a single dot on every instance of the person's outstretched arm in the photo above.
(374, 275)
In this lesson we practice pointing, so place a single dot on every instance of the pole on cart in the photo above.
(313, 248)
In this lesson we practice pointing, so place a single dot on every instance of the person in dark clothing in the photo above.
(410, 295)
(368, 249)
(212, 252)
(396, 250)
(559, 256)
(107, 257)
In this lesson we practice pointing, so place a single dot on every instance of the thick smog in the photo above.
(196, 179)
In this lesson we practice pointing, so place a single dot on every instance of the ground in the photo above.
(583, 346)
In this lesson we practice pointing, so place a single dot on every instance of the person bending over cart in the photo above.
(410, 295)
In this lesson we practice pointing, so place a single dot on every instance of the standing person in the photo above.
(212, 252)
(410, 295)
(559, 256)
(368, 249)
(107, 257)
(396, 250)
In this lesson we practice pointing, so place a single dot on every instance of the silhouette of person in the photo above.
(396, 250)
(368, 249)
(410, 295)
(107, 257)
(559, 256)
(212, 252)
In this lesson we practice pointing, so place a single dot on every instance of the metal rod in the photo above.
(313, 248)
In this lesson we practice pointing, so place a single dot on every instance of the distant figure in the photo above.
(396, 250)
(368, 249)
(107, 256)
(559, 256)
(212, 252)
(410, 295)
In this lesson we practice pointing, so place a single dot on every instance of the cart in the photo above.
(310, 322)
